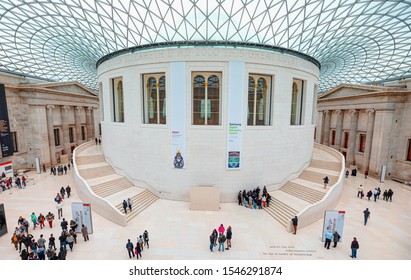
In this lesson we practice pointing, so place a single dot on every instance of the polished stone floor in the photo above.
(176, 233)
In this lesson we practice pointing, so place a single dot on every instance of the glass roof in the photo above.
(356, 41)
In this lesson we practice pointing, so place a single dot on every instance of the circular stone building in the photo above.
(233, 116)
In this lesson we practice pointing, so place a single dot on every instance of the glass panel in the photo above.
(294, 102)
(151, 100)
(162, 100)
(198, 98)
(213, 102)
(120, 102)
(250, 99)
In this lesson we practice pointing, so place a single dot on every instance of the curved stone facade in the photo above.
(233, 118)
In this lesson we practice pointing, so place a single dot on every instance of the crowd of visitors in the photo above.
(221, 236)
(135, 251)
(7, 183)
(253, 200)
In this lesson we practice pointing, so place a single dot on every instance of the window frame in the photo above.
(206, 75)
(71, 134)
(160, 112)
(299, 102)
(267, 105)
(14, 141)
(57, 140)
(117, 100)
(83, 130)
(362, 138)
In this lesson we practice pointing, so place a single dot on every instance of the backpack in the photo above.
(33, 246)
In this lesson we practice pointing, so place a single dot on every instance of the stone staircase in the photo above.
(306, 190)
(140, 202)
(106, 183)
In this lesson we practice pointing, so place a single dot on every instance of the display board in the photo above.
(7, 168)
(5, 137)
(333, 221)
(81, 213)
(3, 222)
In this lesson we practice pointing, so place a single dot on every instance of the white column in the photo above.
(352, 137)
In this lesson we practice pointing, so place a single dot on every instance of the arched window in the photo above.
(155, 98)
(297, 102)
(259, 100)
(117, 100)
(206, 99)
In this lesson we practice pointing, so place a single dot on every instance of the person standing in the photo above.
(44, 168)
(138, 250)
(84, 232)
(70, 241)
(221, 229)
(62, 192)
(212, 241)
(366, 174)
(68, 191)
(52, 241)
(369, 194)
(375, 194)
(215, 233)
(295, 224)
(50, 218)
(328, 237)
(64, 225)
(34, 220)
(336, 238)
(229, 235)
(41, 241)
(41, 220)
(221, 242)
(65, 169)
(125, 206)
(130, 248)
(354, 247)
(240, 199)
(145, 237)
(367, 214)
(140, 242)
(390, 194)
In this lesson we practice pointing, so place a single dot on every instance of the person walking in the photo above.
(84, 232)
(328, 237)
(70, 241)
(130, 204)
(354, 247)
(212, 241)
(50, 218)
(41, 219)
(34, 220)
(240, 199)
(229, 235)
(326, 181)
(367, 214)
(64, 225)
(375, 194)
(337, 238)
(369, 194)
(295, 224)
(68, 191)
(215, 233)
(62, 192)
(221, 242)
(138, 250)
(145, 237)
(130, 248)
(59, 209)
(140, 242)
(52, 241)
(360, 193)
(125, 206)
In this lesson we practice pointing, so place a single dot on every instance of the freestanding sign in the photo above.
(3, 224)
(81, 213)
(7, 168)
(333, 221)
(5, 137)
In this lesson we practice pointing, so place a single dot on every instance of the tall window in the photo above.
(155, 98)
(14, 141)
(100, 98)
(409, 150)
(206, 98)
(361, 147)
(57, 137)
(332, 140)
(346, 137)
(83, 132)
(259, 96)
(117, 99)
(71, 134)
(314, 112)
(297, 99)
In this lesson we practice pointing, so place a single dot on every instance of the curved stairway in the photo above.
(106, 183)
(304, 191)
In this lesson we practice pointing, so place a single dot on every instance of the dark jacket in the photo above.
(336, 237)
(354, 244)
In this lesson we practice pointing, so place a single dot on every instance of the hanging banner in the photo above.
(178, 115)
(81, 213)
(333, 221)
(236, 85)
(5, 137)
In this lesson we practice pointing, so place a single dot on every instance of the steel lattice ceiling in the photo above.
(356, 41)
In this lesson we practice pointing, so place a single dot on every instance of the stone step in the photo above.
(280, 211)
(93, 173)
(302, 192)
(140, 209)
(317, 177)
(335, 166)
(90, 159)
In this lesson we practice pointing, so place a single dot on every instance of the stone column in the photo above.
(89, 123)
(50, 130)
(320, 128)
(338, 129)
(65, 127)
(352, 137)
(77, 117)
(368, 139)
(327, 124)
